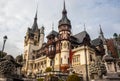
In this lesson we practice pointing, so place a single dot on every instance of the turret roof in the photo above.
(64, 19)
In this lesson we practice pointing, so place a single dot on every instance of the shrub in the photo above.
(48, 69)
(60, 80)
(40, 79)
(73, 77)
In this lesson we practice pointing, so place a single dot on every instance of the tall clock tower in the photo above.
(33, 41)
(64, 32)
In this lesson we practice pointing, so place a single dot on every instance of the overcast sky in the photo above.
(17, 15)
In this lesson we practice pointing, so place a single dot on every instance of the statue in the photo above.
(8, 67)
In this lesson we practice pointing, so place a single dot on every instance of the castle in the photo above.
(62, 49)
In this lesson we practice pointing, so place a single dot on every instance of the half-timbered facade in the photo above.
(63, 49)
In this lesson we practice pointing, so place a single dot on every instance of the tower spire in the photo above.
(35, 25)
(64, 4)
(84, 27)
(101, 36)
(64, 9)
(36, 12)
(36, 15)
(101, 32)
(52, 26)
(64, 19)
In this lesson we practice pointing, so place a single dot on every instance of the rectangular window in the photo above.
(76, 58)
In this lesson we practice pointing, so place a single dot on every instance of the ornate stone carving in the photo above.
(97, 68)
(6, 67)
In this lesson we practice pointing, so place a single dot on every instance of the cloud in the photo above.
(17, 15)
(11, 48)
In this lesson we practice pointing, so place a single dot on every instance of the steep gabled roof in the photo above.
(53, 33)
(80, 36)
(96, 42)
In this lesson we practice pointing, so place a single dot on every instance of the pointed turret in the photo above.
(101, 33)
(64, 20)
(64, 9)
(35, 25)
(64, 37)
(101, 36)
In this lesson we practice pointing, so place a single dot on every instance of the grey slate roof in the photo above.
(96, 42)
(53, 33)
(80, 36)
(64, 19)
(35, 25)
(74, 40)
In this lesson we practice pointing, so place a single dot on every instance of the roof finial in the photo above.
(64, 8)
(100, 25)
(52, 26)
(35, 26)
(36, 11)
(101, 32)
(84, 27)
(64, 5)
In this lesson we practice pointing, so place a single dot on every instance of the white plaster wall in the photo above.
(48, 61)
(80, 51)
(57, 59)
(65, 52)
(82, 56)
(41, 40)
(65, 56)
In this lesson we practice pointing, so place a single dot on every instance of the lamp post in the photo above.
(4, 41)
